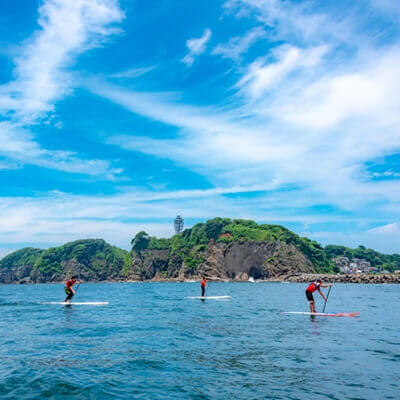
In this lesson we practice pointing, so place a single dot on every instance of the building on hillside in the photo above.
(343, 264)
(355, 266)
(363, 265)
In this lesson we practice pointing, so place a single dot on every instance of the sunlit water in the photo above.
(151, 342)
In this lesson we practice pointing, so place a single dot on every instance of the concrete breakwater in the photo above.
(346, 278)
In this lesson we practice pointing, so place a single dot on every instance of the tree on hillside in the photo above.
(140, 242)
(213, 228)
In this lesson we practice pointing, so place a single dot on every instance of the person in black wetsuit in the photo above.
(203, 286)
(313, 287)
(69, 291)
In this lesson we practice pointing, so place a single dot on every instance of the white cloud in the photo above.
(262, 76)
(253, 149)
(67, 29)
(133, 72)
(240, 44)
(369, 92)
(196, 47)
(389, 8)
(388, 173)
(59, 217)
(55, 218)
(388, 229)
(19, 146)
(388, 244)
(295, 21)
(302, 117)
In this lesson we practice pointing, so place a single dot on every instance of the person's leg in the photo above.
(310, 299)
(69, 295)
(203, 291)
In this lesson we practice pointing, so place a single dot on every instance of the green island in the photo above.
(221, 249)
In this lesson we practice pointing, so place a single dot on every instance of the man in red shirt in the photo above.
(203, 286)
(70, 292)
(312, 287)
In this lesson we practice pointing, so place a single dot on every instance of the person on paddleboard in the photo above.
(70, 292)
(313, 287)
(203, 286)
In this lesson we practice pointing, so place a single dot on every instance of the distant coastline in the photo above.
(221, 249)
(303, 278)
(300, 278)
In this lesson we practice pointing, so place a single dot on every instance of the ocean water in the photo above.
(151, 342)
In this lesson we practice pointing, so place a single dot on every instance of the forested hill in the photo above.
(90, 259)
(221, 248)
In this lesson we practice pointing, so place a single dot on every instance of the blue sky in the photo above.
(115, 116)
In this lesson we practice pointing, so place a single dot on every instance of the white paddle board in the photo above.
(209, 297)
(88, 303)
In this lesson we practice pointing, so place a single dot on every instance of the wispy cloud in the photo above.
(133, 72)
(303, 119)
(248, 156)
(388, 229)
(196, 47)
(388, 7)
(389, 173)
(262, 76)
(368, 91)
(294, 21)
(239, 44)
(55, 218)
(67, 29)
(18, 145)
(294, 136)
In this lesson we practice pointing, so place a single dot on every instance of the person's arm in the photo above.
(323, 296)
(326, 285)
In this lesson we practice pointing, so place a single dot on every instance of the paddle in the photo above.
(77, 287)
(330, 287)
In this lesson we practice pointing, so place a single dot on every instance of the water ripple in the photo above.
(152, 343)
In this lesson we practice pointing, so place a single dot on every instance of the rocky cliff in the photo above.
(221, 261)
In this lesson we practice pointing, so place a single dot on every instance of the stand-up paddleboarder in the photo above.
(203, 286)
(69, 291)
(314, 286)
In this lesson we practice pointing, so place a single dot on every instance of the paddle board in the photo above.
(88, 303)
(352, 314)
(209, 297)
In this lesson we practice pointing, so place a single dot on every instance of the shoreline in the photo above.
(345, 278)
(293, 278)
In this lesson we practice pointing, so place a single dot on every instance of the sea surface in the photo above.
(152, 342)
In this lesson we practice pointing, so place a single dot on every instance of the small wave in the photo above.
(16, 303)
